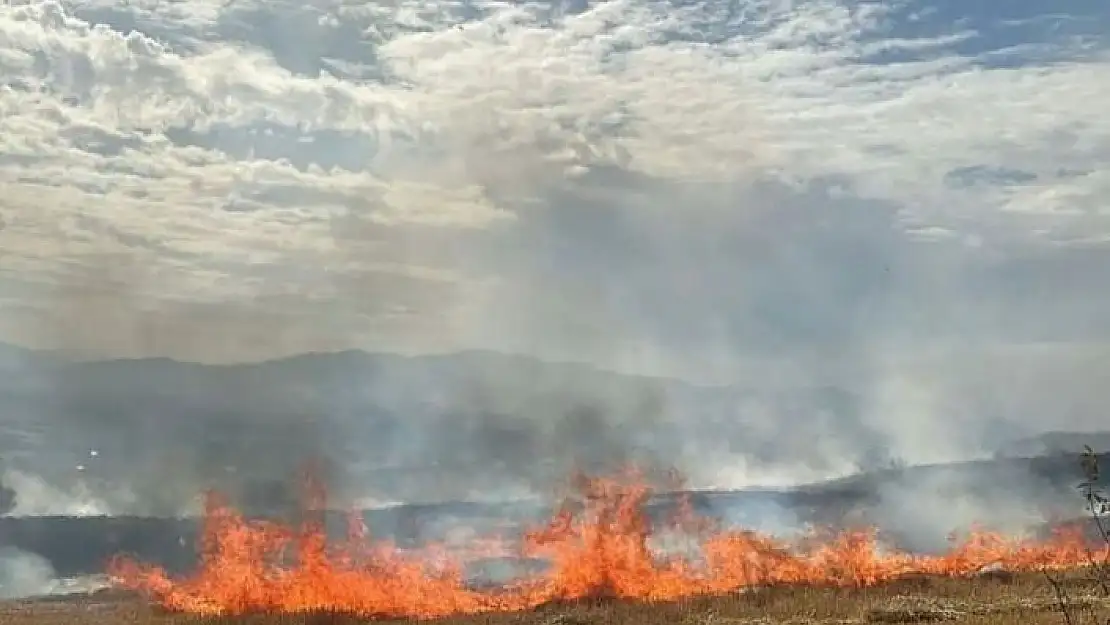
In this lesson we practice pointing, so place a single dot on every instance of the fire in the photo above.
(598, 547)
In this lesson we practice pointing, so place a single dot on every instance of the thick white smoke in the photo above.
(25, 574)
(34, 496)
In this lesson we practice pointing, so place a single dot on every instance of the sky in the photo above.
(706, 189)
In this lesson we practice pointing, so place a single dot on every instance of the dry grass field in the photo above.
(852, 582)
(986, 600)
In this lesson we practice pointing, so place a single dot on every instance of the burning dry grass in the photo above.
(603, 571)
(981, 600)
(597, 549)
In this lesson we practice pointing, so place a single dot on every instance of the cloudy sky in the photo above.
(687, 187)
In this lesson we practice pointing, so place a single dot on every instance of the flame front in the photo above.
(598, 548)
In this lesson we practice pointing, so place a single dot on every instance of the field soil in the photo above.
(992, 599)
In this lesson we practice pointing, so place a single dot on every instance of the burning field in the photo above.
(978, 600)
(604, 559)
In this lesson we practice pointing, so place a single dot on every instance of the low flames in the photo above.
(599, 547)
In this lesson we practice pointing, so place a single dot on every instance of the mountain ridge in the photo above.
(149, 433)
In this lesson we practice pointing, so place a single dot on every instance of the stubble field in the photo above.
(990, 599)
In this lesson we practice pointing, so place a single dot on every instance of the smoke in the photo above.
(34, 496)
(926, 516)
(24, 574)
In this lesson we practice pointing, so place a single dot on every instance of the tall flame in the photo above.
(599, 547)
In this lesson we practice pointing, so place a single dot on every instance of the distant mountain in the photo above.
(145, 435)
(1056, 443)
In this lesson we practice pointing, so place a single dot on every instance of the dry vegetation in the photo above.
(993, 599)
(999, 597)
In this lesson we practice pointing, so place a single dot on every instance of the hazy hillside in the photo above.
(1056, 443)
(144, 435)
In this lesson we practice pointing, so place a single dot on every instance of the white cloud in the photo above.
(434, 158)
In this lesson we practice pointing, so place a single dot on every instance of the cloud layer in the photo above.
(618, 181)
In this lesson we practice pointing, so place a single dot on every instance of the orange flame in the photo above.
(598, 548)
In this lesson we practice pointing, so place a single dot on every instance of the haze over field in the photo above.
(811, 236)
